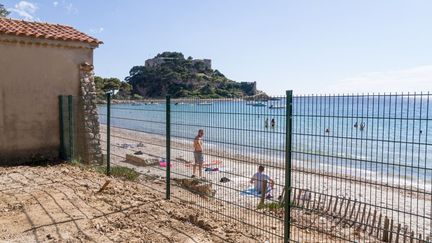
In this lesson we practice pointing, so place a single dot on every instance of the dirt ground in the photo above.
(61, 203)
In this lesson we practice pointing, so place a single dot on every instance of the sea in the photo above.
(385, 138)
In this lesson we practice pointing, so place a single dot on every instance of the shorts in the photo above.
(199, 158)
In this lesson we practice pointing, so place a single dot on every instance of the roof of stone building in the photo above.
(44, 31)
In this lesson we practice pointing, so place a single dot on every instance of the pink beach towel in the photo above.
(164, 164)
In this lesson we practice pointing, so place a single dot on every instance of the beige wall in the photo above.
(31, 79)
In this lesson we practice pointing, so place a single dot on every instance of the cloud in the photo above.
(25, 9)
(405, 80)
(98, 30)
(68, 6)
(71, 9)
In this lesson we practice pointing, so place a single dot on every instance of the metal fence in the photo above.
(355, 167)
(149, 135)
(363, 164)
(79, 131)
(239, 136)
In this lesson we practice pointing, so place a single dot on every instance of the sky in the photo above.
(308, 46)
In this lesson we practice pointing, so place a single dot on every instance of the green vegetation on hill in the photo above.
(181, 77)
(104, 85)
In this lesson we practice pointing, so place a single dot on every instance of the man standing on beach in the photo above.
(198, 153)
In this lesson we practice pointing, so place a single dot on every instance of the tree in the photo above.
(171, 55)
(99, 82)
(125, 87)
(216, 73)
(3, 11)
(124, 91)
(104, 85)
(111, 84)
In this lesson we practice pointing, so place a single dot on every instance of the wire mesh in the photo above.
(79, 131)
(362, 165)
(137, 135)
(238, 137)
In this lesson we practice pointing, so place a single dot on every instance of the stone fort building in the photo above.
(157, 61)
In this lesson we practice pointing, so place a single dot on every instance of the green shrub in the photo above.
(119, 172)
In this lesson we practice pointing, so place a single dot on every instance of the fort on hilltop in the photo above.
(158, 61)
(170, 73)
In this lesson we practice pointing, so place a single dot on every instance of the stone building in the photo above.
(157, 61)
(206, 62)
(39, 62)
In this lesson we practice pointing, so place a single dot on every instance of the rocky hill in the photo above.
(171, 73)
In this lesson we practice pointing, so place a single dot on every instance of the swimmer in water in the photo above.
(362, 126)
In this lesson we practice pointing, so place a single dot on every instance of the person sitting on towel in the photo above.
(259, 178)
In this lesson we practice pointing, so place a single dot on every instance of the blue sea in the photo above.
(386, 138)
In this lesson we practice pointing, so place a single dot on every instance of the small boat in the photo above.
(276, 107)
(259, 104)
(179, 103)
(205, 103)
(135, 104)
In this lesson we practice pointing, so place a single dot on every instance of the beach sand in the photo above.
(410, 209)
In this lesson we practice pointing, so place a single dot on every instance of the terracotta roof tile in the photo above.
(44, 31)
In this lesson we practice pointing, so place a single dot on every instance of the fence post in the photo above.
(168, 147)
(108, 139)
(288, 144)
(61, 118)
(71, 130)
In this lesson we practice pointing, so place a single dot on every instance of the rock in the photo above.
(224, 179)
(261, 96)
(322, 220)
(203, 188)
(140, 160)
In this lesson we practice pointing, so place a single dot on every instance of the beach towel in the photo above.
(163, 163)
(253, 192)
(212, 163)
(211, 169)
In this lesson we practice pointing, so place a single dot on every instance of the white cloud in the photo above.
(25, 9)
(71, 9)
(97, 30)
(68, 6)
(405, 80)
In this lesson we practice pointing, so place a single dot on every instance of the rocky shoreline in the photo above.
(258, 97)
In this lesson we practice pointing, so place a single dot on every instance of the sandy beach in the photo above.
(410, 209)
